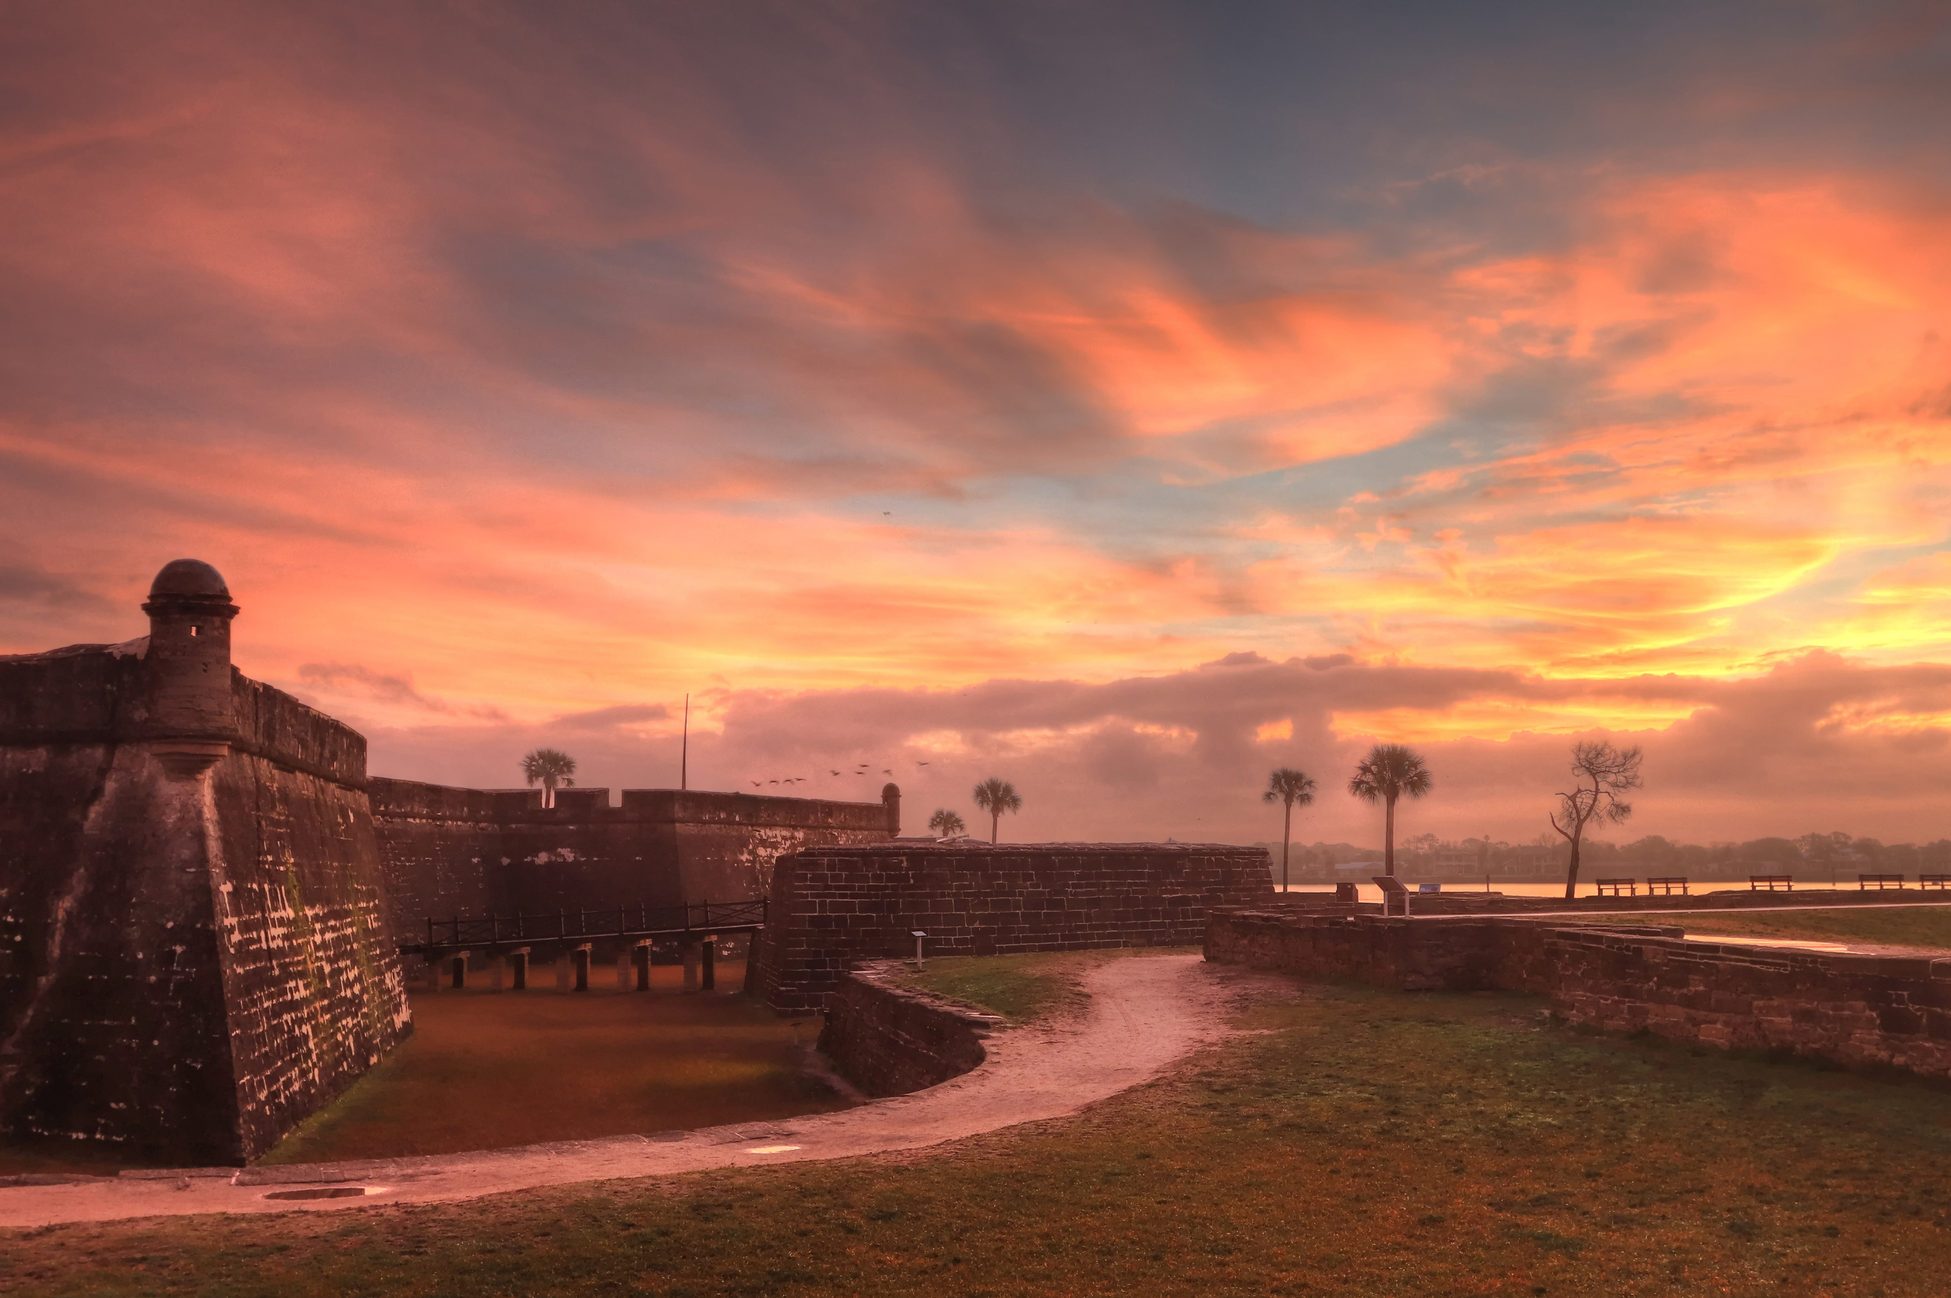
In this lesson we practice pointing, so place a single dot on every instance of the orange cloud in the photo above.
(566, 377)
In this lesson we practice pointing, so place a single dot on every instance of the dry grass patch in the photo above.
(486, 1069)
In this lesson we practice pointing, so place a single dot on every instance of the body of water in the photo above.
(1586, 888)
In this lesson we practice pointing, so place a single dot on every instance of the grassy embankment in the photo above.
(1915, 926)
(1022, 989)
(1359, 1142)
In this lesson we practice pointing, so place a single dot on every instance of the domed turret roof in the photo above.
(189, 579)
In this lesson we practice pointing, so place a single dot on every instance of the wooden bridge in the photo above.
(508, 940)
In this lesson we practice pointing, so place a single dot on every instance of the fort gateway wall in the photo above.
(448, 851)
(193, 955)
(832, 907)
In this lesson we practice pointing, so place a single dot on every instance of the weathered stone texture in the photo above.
(192, 950)
(311, 978)
(440, 852)
(112, 1018)
(831, 907)
(453, 851)
(890, 1040)
(1852, 1009)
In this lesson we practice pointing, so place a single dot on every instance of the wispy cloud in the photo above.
(566, 363)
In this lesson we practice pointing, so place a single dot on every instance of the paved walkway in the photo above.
(1144, 1013)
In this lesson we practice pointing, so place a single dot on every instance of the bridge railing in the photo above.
(642, 920)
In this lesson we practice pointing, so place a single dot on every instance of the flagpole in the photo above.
(684, 753)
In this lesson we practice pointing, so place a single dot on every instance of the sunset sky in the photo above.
(1121, 399)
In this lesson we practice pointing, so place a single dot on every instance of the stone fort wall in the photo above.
(1853, 1009)
(449, 851)
(833, 907)
(192, 947)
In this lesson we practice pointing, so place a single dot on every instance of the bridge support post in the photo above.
(710, 953)
(640, 957)
(457, 964)
(580, 959)
(692, 958)
(518, 960)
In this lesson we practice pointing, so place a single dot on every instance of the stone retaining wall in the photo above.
(1853, 1009)
(890, 1040)
(832, 907)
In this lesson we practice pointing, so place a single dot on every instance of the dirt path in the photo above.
(1144, 1013)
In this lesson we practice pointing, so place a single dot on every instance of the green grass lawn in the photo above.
(1921, 926)
(1358, 1142)
(1021, 989)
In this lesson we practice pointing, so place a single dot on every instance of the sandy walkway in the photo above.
(1144, 1012)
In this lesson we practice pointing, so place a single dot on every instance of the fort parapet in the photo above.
(192, 946)
(449, 851)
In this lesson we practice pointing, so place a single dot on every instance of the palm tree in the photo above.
(552, 769)
(947, 824)
(995, 797)
(1390, 771)
(1291, 787)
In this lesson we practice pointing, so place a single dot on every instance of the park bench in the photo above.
(1938, 881)
(1392, 890)
(1617, 887)
(1667, 885)
(1865, 882)
(1771, 883)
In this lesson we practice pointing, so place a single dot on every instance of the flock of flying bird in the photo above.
(864, 768)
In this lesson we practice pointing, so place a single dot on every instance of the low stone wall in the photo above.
(1405, 954)
(1852, 1009)
(890, 1040)
(832, 907)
